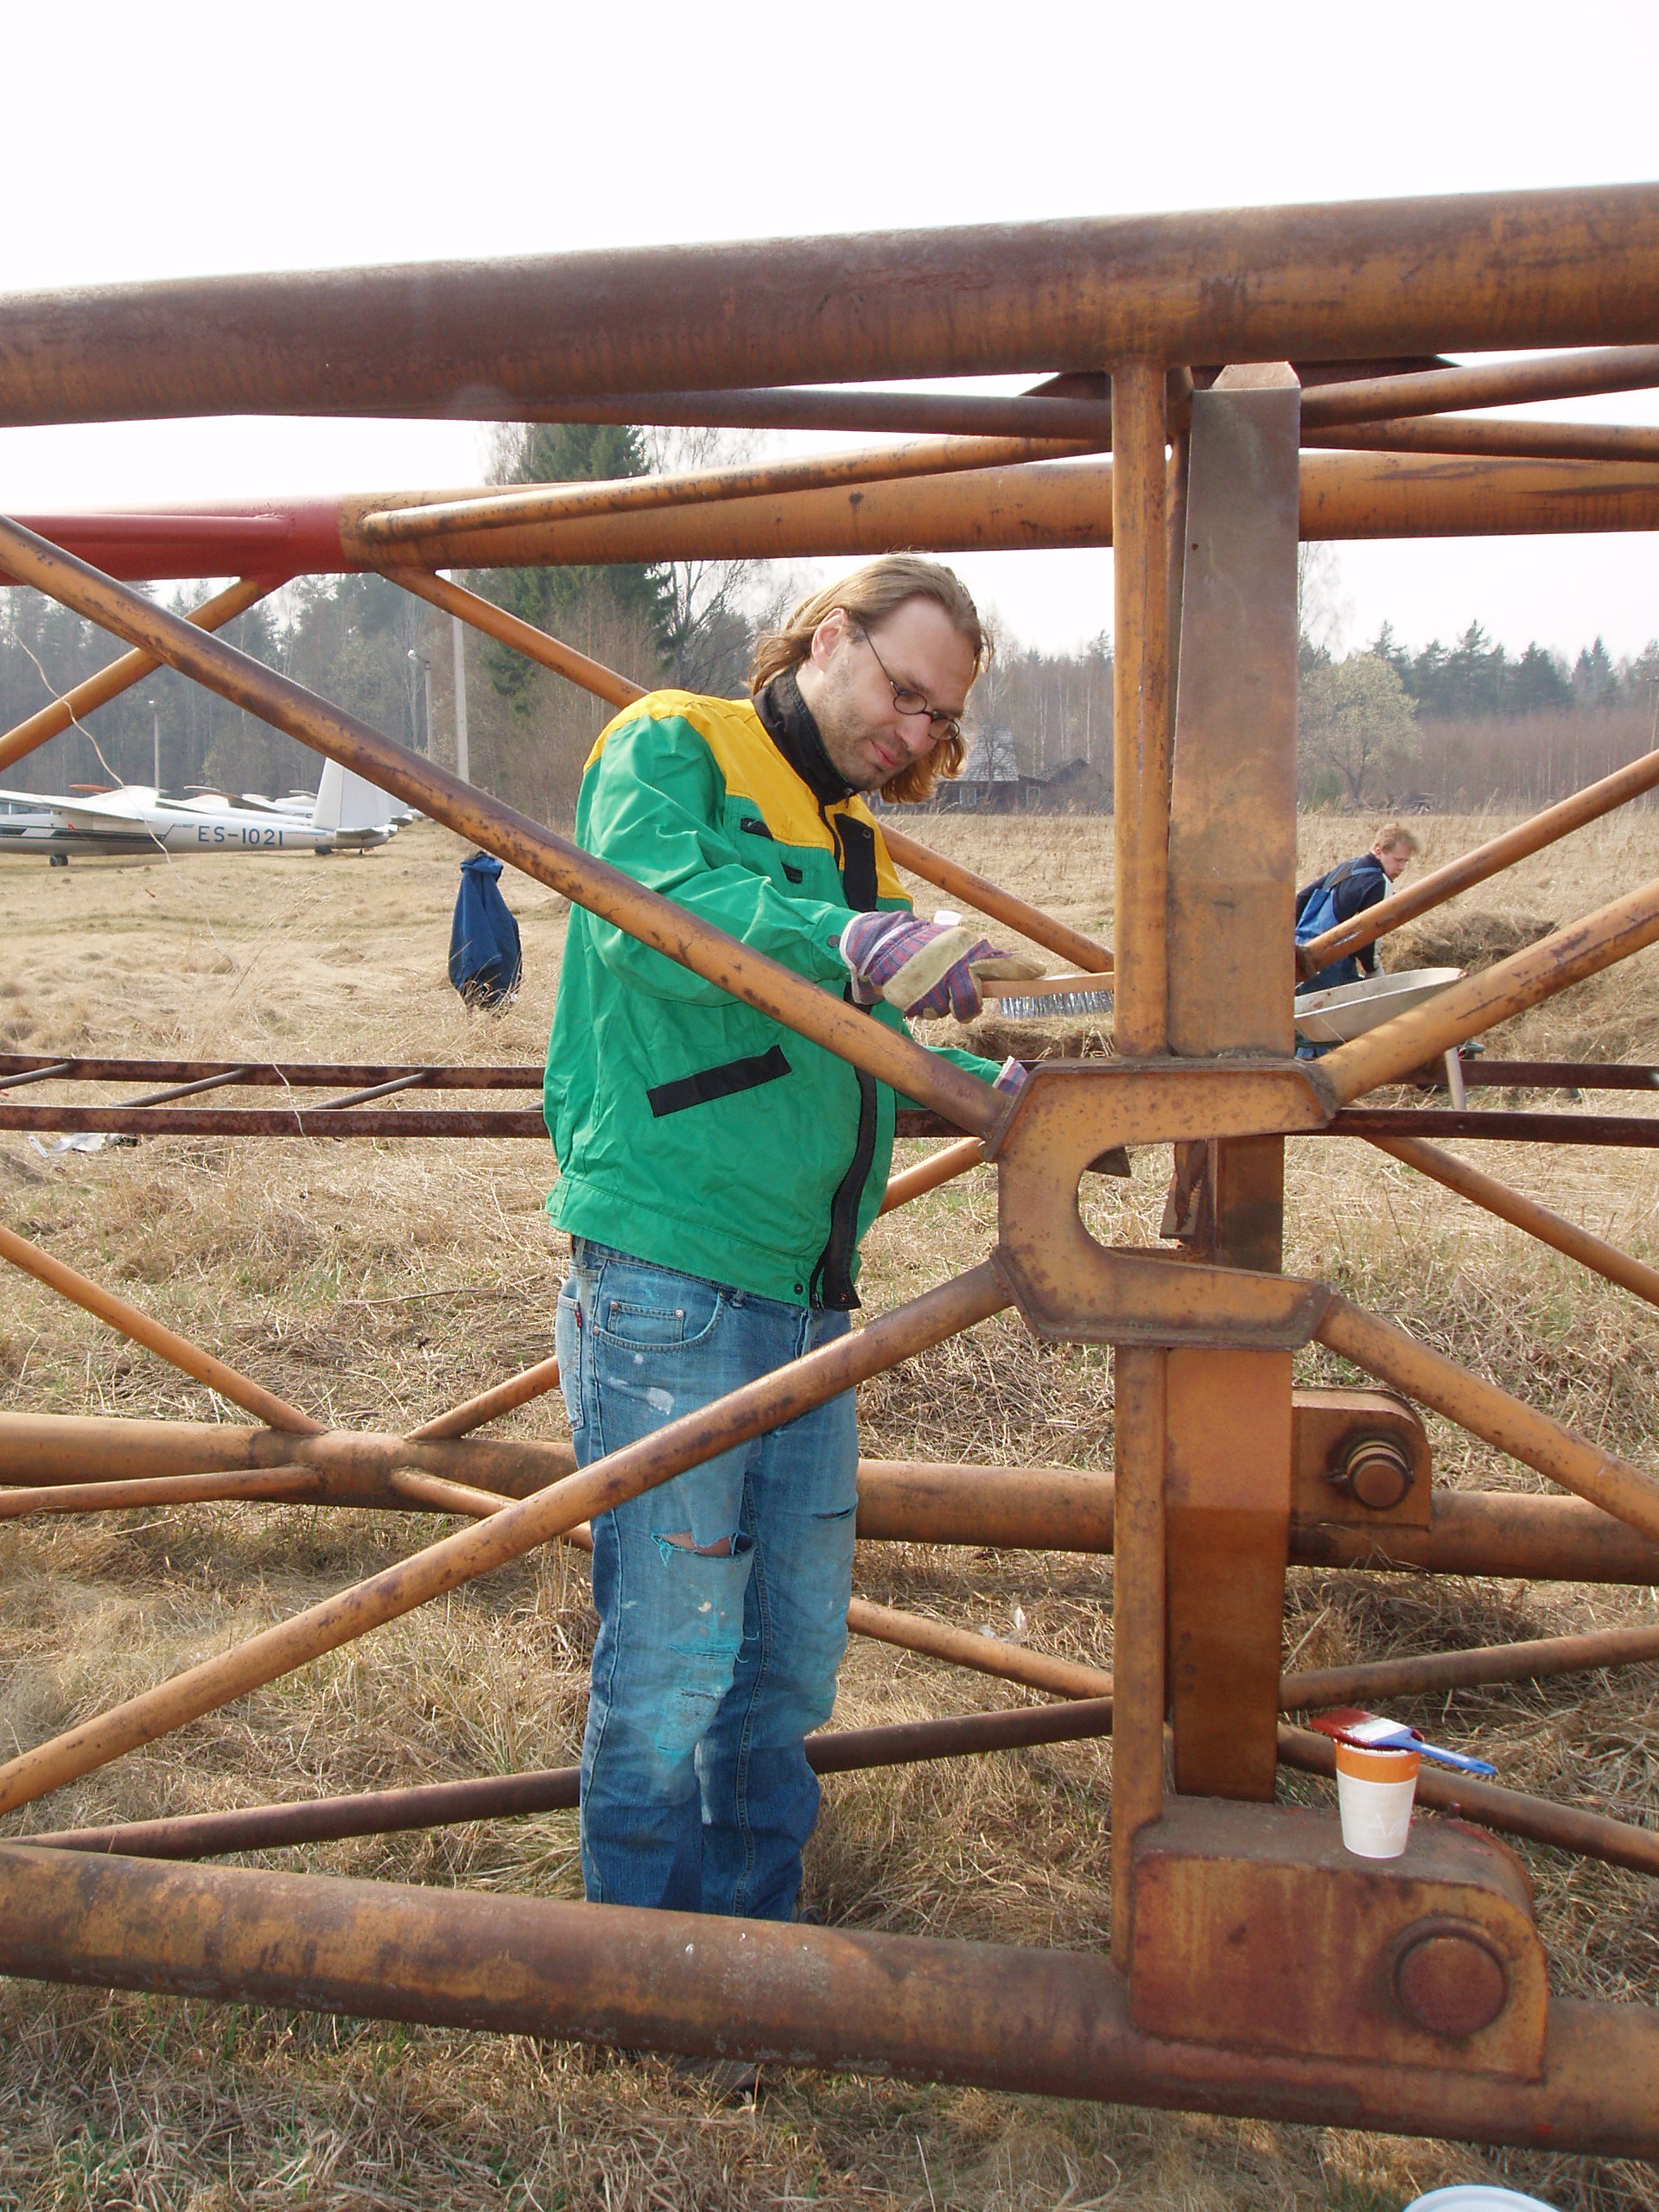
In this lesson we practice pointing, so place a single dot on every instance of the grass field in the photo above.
(375, 1283)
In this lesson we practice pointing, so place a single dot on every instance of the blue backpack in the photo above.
(484, 960)
(1320, 913)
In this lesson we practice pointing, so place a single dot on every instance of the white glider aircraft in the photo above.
(348, 815)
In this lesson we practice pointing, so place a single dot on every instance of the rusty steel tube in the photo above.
(513, 838)
(1056, 504)
(1140, 1379)
(1362, 279)
(430, 531)
(551, 1790)
(1539, 440)
(260, 1485)
(984, 1655)
(490, 1405)
(1053, 2023)
(121, 675)
(509, 1535)
(1517, 1536)
(1141, 748)
(928, 1175)
(1038, 1508)
(178, 1352)
(1510, 1812)
(1540, 1221)
(1535, 1661)
(1392, 1356)
(1480, 1001)
(523, 637)
(1440, 884)
(988, 898)
(1487, 384)
(1035, 414)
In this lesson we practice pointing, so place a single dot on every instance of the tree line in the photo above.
(1448, 726)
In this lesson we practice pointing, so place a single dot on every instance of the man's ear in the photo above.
(828, 636)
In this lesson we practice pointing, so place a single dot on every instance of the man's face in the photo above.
(1394, 859)
(852, 700)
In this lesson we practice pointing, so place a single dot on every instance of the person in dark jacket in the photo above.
(716, 1172)
(1345, 891)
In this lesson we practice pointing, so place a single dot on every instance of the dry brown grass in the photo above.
(379, 1282)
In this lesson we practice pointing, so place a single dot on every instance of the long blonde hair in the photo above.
(867, 595)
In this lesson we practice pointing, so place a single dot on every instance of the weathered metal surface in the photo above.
(1141, 1377)
(281, 1122)
(1485, 384)
(1540, 440)
(1508, 1533)
(1070, 1286)
(509, 1535)
(1559, 1075)
(1341, 1434)
(511, 836)
(428, 533)
(1484, 271)
(1424, 1672)
(274, 1075)
(493, 1797)
(1625, 1491)
(1232, 818)
(982, 1654)
(1628, 1130)
(1054, 2022)
(1140, 746)
(1232, 857)
(1228, 1489)
(1254, 1928)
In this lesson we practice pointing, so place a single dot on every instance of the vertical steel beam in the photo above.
(1141, 800)
(1232, 878)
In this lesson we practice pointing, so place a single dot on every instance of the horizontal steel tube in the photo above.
(759, 982)
(274, 1075)
(1539, 440)
(1516, 1535)
(1492, 1123)
(1481, 271)
(492, 1797)
(1484, 383)
(1539, 1659)
(805, 407)
(1056, 504)
(1055, 2024)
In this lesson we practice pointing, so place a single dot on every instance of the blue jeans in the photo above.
(721, 1595)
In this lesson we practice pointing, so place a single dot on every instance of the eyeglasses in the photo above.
(907, 702)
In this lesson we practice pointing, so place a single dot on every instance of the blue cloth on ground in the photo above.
(484, 960)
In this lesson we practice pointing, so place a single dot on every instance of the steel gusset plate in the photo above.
(1071, 1289)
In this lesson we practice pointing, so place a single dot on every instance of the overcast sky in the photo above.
(174, 140)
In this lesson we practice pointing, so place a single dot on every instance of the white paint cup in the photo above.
(1374, 1789)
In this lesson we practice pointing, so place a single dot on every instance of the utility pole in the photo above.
(156, 715)
(461, 766)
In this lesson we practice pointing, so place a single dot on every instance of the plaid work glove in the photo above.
(922, 968)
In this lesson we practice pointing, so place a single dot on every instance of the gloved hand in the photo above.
(922, 968)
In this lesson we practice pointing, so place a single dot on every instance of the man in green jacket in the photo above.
(716, 1174)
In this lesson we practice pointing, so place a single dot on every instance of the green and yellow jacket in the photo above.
(691, 1129)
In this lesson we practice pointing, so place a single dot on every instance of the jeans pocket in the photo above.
(640, 1309)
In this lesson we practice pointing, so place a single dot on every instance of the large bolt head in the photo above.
(1451, 1982)
(1377, 1471)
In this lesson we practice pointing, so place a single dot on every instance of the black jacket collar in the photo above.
(788, 722)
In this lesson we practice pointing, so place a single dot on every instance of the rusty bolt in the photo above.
(1376, 1471)
(1451, 1982)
